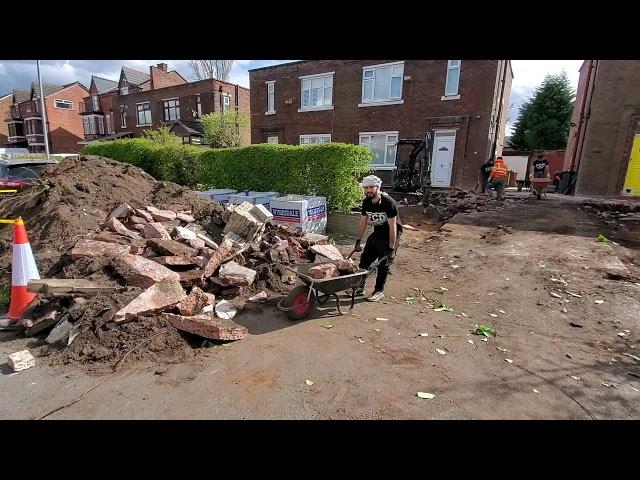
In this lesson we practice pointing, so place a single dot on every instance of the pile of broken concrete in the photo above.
(161, 263)
(446, 204)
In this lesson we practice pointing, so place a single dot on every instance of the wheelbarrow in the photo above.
(303, 299)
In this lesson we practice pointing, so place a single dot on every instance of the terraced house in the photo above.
(462, 103)
(97, 117)
(63, 103)
(164, 98)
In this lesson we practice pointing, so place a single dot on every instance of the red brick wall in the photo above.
(210, 98)
(65, 126)
(5, 112)
(422, 110)
(162, 79)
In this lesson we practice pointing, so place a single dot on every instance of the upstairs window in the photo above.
(66, 104)
(316, 91)
(453, 78)
(382, 83)
(271, 108)
(144, 114)
(171, 109)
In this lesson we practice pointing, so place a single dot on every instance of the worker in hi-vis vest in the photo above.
(498, 177)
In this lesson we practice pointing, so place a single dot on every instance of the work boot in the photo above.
(376, 297)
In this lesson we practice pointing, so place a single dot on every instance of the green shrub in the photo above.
(162, 136)
(329, 170)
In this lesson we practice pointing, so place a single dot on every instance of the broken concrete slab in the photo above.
(144, 214)
(183, 234)
(171, 247)
(185, 217)
(328, 251)
(117, 226)
(243, 223)
(226, 250)
(161, 215)
(231, 273)
(197, 243)
(21, 360)
(260, 297)
(225, 310)
(159, 297)
(207, 326)
(138, 220)
(156, 230)
(322, 271)
(94, 248)
(122, 211)
(190, 278)
(207, 241)
(33, 327)
(60, 332)
(180, 260)
(195, 302)
(71, 285)
(347, 266)
(141, 272)
(261, 213)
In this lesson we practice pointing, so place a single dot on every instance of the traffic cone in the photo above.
(23, 269)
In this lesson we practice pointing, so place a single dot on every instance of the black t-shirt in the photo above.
(380, 212)
(485, 168)
(539, 166)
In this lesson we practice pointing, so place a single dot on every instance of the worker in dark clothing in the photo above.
(485, 171)
(381, 211)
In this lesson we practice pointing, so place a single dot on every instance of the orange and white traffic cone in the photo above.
(23, 269)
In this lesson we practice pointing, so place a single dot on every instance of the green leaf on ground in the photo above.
(602, 238)
(483, 330)
(327, 325)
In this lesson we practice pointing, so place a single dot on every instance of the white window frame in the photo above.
(95, 101)
(100, 125)
(392, 100)
(108, 122)
(57, 101)
(452, 95)
(306, 139)
(313, 108)
(389, 164)
(199, 106)
(271, 97)
(123, 117)
(89, 126)
(270, 139)
(166, 108)
(226, 102)
(138, 124)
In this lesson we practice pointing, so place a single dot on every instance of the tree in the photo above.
(544, 119)
(225, 129)
(203, 69)
(162, 136)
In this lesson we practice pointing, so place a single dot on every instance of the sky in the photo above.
(528, 74)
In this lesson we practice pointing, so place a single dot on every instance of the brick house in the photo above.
(151, 101)
(604, 139)
(375, 103)
(5, 112)
(97, 116)
(63, 104)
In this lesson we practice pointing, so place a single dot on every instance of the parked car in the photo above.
(20, 173)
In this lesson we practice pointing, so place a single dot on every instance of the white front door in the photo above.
(444, 145)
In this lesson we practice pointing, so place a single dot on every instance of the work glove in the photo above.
(358, 247)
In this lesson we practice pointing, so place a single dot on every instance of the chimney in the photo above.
(162, 66)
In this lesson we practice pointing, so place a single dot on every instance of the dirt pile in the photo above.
(622, 218)
(116, 263)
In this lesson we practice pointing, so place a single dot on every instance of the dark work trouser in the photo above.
(376, 247)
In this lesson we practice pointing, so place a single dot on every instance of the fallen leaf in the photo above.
(484, 339)
(492, 293)
(577, 325)
(635, 389)
(361, 340)
(455, 266)
(327, 325)
(502, 311)
(554, 294)
(441, 352)
(444, 289)
(493, 315)
(464, 314)
(599, 302)
(563, 310)
(574, 294)
(377, 330)
(535, 391)
(470, 341)
(508, 360)
(382, 319)
(424, 334)
(309, 382)
(622, 334)
(577, 379)
(502, 349)
(632, 356)
(425, 395)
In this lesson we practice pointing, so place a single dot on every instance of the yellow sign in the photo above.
(632, 182)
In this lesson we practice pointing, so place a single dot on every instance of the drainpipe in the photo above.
(498, 118)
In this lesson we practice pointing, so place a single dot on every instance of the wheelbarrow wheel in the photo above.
(297, 302)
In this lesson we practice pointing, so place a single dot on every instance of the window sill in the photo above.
(450, 97)
(269, 113)
(383, 167)
(380, 104)
(315, 109)
(145, 125)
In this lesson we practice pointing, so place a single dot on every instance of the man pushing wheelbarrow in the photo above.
(539, 176)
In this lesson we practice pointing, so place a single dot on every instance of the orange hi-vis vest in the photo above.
(499, 169)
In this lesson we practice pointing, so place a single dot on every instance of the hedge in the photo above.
(329, 170)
